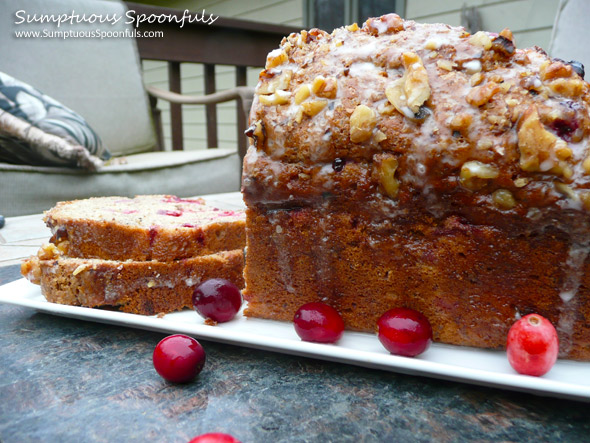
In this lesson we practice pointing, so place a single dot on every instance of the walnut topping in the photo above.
(557, 69)
(48, 252)
(474, 174)
(31, 270)
(503, 199)
(276, 58)
(324, 87)
(445, 65)
(481, 39)
(386, 165)
(353, 28)
(480, 95)
(256, 132)
(302, 93)
(476, 79)
(387, 24)
(586, 165)
(380, 136)
(540, 150)
(461, 122)
(521, 182)
(410, 92)
(566, 190)
(313, 107)
(277, 98)
(568, 87)
(362, 122)
(277, 83)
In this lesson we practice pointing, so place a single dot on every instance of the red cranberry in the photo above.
(217, 299)
(178, 358)
(532, 345)
(318, 322)
(215, 437)
(169, 212)
(404, 331)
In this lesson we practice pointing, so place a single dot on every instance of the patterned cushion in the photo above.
(37, 130)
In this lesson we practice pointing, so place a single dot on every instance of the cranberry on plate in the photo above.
(404, 331)
(217, 299)
(318, 322)
(532, 345)
(178, 358)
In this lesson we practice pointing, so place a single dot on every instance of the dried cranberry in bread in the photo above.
(407, 164)
(147, 227)
(138, 287)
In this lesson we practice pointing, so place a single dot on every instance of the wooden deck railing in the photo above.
(227, 41)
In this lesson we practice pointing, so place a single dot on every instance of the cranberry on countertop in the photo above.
(318, 322)
(214, 437)
(179, 358)
(404, 331)
(532, 345)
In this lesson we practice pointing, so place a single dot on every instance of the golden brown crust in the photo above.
(138, 287)
(156, 227)
(471, 281)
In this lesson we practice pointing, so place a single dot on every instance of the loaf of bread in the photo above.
(147, 227)
(407, 164)
(138, 287)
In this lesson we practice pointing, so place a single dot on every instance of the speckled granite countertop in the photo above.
(66, 380)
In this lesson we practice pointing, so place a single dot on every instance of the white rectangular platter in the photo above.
(567, 379)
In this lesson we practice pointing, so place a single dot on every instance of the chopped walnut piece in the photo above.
(476, 79)
(256, 131)
(566, 190)
(503, 199)
(521, 182)
(31, 270)
(302, 93)
(474, 174)
(276, 58)
(568, 87)
(386, 24)
(386, 165)
(380, 136)
(313, 107)
(586, 165)
(353, 28)
(557, 69)
(48, 252)
(540, 150)
(277, 98)
(410, 92)
(324, 87)
(481, 39)
(480, 95)
(362, 122)
(277, 83)
(445, 65)
(461, 122)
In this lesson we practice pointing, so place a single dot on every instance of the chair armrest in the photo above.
(244, 93)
